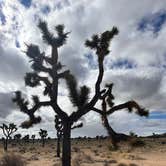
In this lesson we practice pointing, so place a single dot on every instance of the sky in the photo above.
(136, 64)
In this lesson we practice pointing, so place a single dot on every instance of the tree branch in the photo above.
(63, 74)
(63, 115)
(129, 105)
(97, 110)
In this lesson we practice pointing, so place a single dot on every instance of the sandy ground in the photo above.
(93, 152)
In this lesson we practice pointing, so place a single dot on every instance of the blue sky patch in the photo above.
(2, 16)
(92, 63)
(17, 43)
(123, 63)
(26, 3)
(45, 9)
(153, 22)
(157, 115)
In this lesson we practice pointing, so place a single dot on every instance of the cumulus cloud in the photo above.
(6, 105)
(136, 64)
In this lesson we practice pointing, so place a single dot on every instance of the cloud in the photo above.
(26, 3)
(136, 63)
(153, 23)
(6, 104)
(13, 65)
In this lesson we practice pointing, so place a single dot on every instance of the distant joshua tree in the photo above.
(17, 137)
(33, 138)
(43, 134)
(52, 68)
(59, 128)
(26, 138)
(8, 130)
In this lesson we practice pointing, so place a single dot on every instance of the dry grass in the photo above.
(122, 164)
(12, 160)
(94, 152)
(135, 142)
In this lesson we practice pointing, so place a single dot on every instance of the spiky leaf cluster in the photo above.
(77, 126)
(35, 99)
(23, 104)
(32, 79)
(20, 101)
(49, 37)
(46, 90)
(8, 130)
(33, 136)
(17, 136)
(109, 97)
(107, 100)
(101, 43)
(36, 58)
(29, 123)
(26, 137)
(78, 97)
(43, 133)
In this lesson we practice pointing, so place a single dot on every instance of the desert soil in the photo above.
(93, 152)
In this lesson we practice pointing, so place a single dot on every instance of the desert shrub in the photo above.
(112, 148)
(12, 160)
(95, 151)
(136, 143)
(76, 162)
(75, 149)
(132, 134)
(106, 164)
(122, 164)
(132, 164)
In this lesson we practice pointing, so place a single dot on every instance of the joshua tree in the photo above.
(8, 130)
(59, 128)
(17, 137)
(33, 138)
(43, 134)
(52, 68)
(109, 108)
(26, 138)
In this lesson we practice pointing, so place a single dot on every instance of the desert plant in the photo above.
(132, 134)
(78, 96)
(136, 142)
(12, 160)
(109, 108)
(8, 130)
(122, 164)
(26, 138)
(33, 138)
(17, 137)
(59, 128)
(43, 134)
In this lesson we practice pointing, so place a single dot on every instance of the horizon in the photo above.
(136, 63)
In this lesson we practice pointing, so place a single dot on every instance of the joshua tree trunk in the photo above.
(43, 142)
(6, 144)
(58, 147)
(66, 156)
(115, 137)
